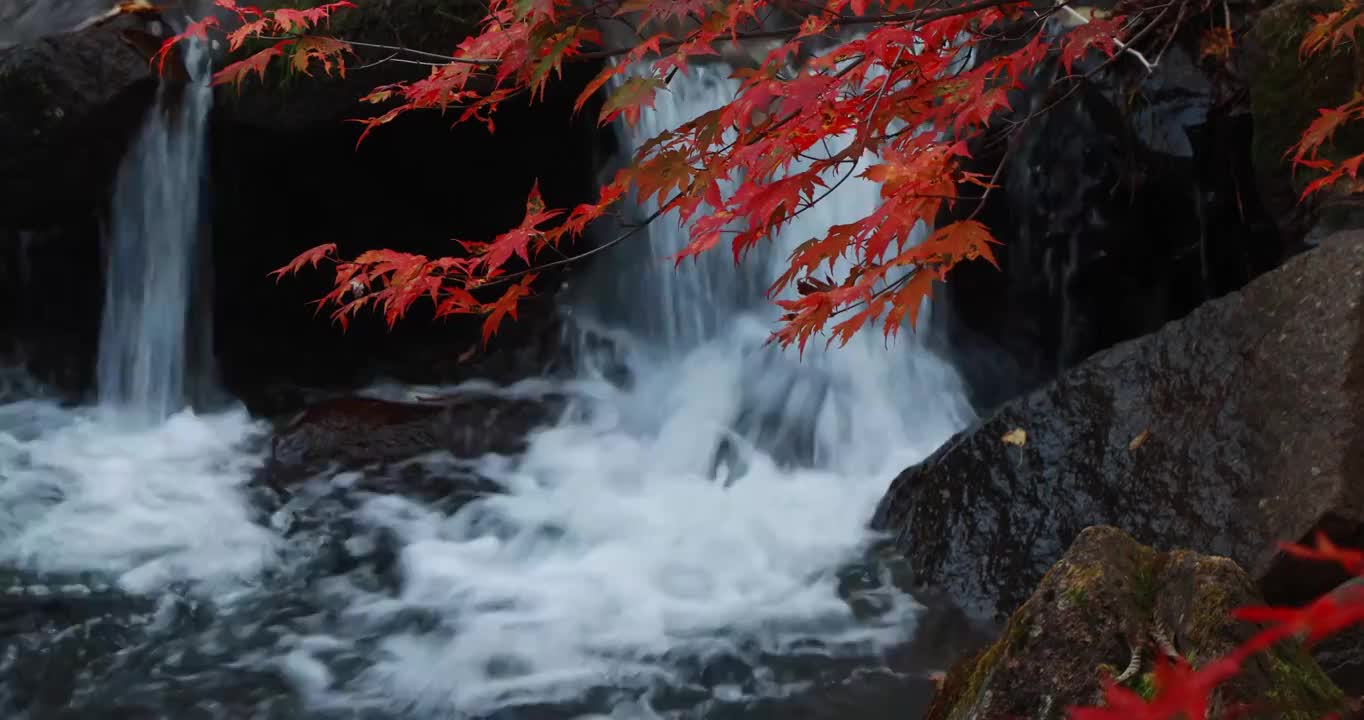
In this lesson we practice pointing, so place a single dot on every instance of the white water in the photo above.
(154, 234)
(700, 512)
(149, 507)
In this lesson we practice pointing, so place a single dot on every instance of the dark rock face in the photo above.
(1121, 208)
(355, 432)
(23, 20)
(1227, 431)
(416, 185)
(69, 104)
(1107, 595)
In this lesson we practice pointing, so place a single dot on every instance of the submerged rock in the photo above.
(355, 432)
(1109, 602)
(1227, 431)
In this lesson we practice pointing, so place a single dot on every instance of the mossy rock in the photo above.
(1286, 91)
(1107, 592)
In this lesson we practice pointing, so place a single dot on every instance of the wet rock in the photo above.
(1230, 430)
(23, 20)
(69, 105)
(305, 360)
(356, 432)
(1107, 596)
(52, 630)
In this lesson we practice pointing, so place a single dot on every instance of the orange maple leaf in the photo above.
(238, 71)
(311, 257)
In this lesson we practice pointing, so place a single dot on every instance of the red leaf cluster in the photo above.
(1327, 34)
(295, 24)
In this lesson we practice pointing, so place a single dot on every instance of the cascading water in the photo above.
(148, 336)
(694, 518)
(689, 542)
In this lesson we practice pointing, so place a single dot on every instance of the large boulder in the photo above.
(24, 20)
(1105, 610)
(69, 105)
(1227, 431)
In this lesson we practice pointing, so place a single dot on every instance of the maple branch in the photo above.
(445, 59)
(1175, 29)
(918, 17)
(568, 259)
(1017, 125)
(862, 140)
(376, 63)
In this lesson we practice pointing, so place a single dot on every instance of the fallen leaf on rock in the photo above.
(1016, 437)
(937, 678)
(1139, 440)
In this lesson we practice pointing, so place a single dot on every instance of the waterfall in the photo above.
(841, 408)
(151, 344)
(694, 511)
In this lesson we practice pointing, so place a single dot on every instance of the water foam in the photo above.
(88, 491)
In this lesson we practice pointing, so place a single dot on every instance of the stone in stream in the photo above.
(1237, 427)
(359, 432)
(1106, 594)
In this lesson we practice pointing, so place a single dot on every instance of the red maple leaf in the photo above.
(238, 71)
(518, 240)
(311, 257)
(1101, 33)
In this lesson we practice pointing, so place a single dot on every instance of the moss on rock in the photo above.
(1081, 623)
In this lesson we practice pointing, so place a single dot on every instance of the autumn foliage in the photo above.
(892, 92)
(897, 92)
(1328, 33)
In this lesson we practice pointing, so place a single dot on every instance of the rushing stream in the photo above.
(689, 541)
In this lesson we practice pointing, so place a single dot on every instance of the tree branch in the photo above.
(918, 17)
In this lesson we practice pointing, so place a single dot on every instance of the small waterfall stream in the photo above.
(148, 336)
